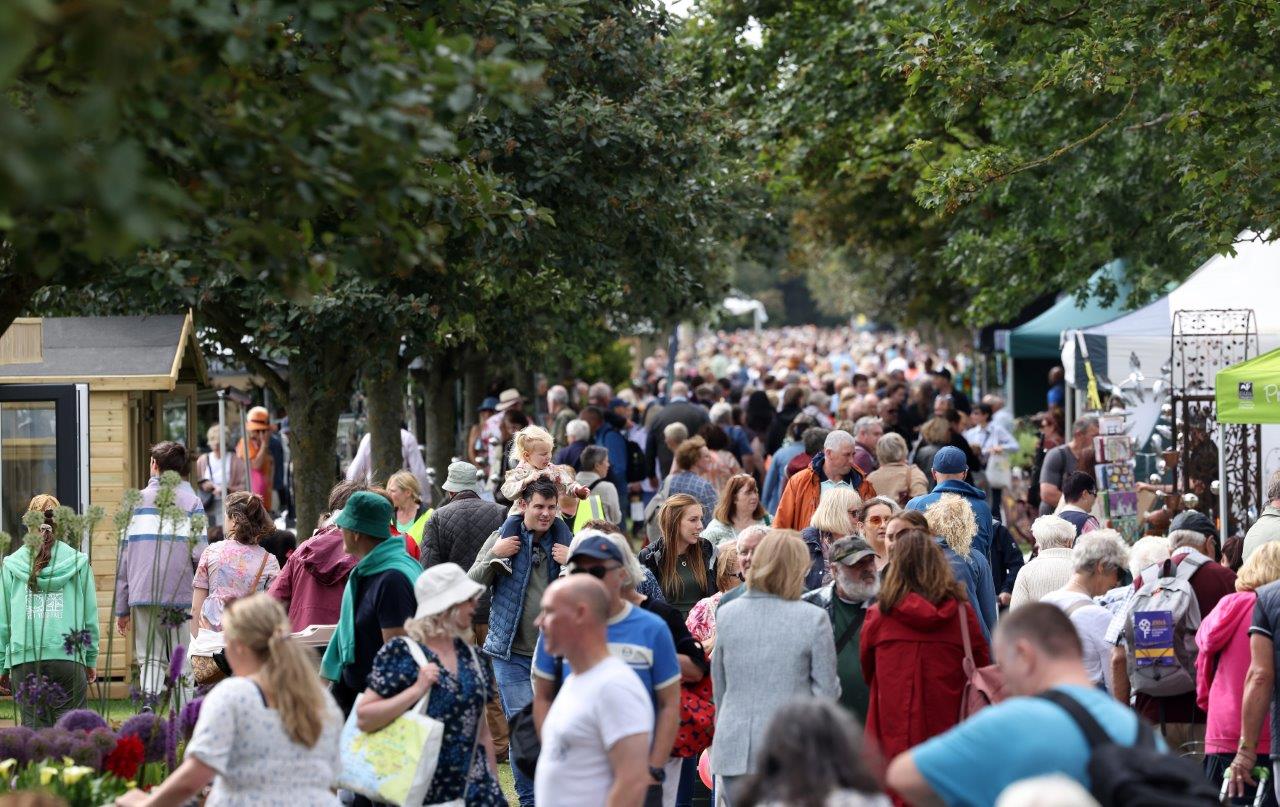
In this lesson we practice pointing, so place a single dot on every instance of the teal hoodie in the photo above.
(34, 625)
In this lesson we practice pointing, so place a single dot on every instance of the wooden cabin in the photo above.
(82, 399)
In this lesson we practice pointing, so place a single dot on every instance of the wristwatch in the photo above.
(659, 775)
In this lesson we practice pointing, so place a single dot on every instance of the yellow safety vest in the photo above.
(590, 510)
(420, 525)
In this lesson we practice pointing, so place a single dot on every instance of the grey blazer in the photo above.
(768, 651)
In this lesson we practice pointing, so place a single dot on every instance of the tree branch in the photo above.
(255, 363)
(1075, 144)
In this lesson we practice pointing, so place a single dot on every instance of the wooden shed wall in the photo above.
(111, 472)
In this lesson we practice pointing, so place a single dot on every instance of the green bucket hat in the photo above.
(368, 514)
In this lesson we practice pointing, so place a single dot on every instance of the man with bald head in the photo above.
(596, 736)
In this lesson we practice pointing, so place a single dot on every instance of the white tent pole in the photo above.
(1222, 485)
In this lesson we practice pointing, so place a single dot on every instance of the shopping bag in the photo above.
(395, 764)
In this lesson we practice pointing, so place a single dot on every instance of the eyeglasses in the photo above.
(598, 572)
(877, 519)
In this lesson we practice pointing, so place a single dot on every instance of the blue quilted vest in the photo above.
(507, 607)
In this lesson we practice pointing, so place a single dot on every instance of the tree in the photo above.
(955, 160)
(313, 139)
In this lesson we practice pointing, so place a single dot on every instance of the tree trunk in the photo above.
(384, 403)
(474, 388)
(438, 381)
(318, 387)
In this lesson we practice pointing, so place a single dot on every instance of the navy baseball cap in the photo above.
(950, 460)
(599, 548)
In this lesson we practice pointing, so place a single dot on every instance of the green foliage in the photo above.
(955, 160)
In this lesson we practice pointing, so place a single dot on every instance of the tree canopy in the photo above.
(985, 153)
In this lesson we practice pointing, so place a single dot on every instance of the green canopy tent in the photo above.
(1245, 394)
(1037, 344)
(1249, 392)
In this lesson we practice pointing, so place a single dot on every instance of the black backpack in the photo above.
(1138, 775)
(636, 471)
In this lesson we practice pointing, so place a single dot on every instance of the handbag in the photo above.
(396, 763)
(697, 718)
(999, 472)
(524, 745)
(209, 670)
(983, 686)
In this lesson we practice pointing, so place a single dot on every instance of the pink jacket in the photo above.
(1221, 666)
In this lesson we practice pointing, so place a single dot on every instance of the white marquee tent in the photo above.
(1248, 279)
(1141, 341)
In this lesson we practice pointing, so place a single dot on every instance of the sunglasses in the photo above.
(598, 572)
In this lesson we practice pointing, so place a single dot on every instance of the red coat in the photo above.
(912, 660)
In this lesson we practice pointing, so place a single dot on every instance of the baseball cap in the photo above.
(950, 460)
(850, 550)
(1193, 520)
(599, 548)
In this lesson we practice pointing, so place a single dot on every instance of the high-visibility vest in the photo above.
(590, 510)
(420, 525)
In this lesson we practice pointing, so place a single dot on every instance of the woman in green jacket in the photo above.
(48, 623)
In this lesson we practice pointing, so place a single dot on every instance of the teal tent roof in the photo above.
(1039, 338)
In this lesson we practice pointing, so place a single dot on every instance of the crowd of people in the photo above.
(812, 600)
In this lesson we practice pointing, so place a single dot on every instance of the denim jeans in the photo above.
(516, 691)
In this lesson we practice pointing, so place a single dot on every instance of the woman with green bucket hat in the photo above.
(378, 597)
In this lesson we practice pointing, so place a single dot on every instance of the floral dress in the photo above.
(457, 701)
(227, 570)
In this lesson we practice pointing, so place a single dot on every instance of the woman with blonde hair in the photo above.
(752, 678)
(738, 507)
(406, 496)
(268, 735)
(896, 479)
(835, 517)
(1223, 663)
(952, 521)
(49, 621)
(236, 567)
(436, 660)
(682, 560)
(913, 647)
(702, 618)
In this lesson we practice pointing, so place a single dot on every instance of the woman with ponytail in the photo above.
(48, 622)
(267, 736)
(236, 567)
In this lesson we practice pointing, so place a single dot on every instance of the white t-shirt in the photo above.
(592, 712)
(1091, 623)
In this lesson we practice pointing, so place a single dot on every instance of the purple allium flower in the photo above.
(52, 743)
(171, 741)
(81, 720)
(40, 694)
(188, 716)
(174, 617)
(15, 743)
(104, 741)
(175, 665)
(75, 641)
(83, 750)
(143, 700)
(152, 730)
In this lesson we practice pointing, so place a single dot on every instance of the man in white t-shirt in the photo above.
(1098, 559)
(596, 736)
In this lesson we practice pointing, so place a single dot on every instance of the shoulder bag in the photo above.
(526, 746)
(983, 686)
(209, 670)
(396, 763)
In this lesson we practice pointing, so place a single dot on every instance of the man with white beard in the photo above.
(852, 591)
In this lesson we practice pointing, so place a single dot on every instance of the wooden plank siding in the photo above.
(111, 472)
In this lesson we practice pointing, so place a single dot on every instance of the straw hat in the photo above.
(509, 398)
(258, 420)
